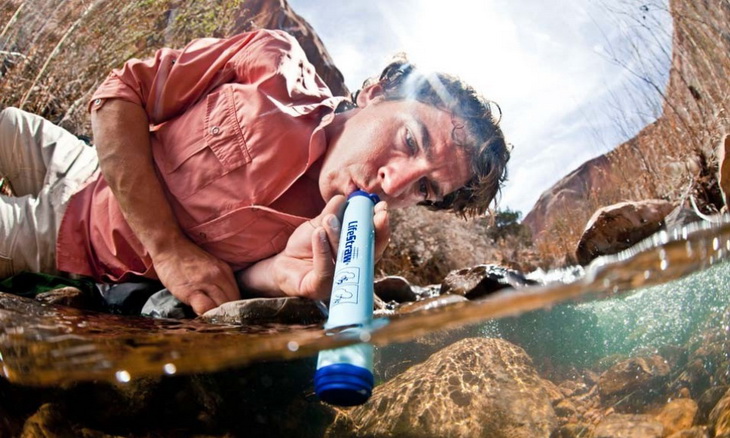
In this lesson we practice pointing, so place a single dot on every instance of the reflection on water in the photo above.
(600, 313)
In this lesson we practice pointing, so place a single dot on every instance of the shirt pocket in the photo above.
(196, 160)
(245, 235)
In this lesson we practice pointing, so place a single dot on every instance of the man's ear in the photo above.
(369, 94)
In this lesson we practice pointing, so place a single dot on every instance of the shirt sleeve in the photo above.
(168, 83)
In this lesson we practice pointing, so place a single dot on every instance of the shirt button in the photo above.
(215, 130)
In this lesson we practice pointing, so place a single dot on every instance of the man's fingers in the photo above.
(381, 220)
(323, 265)
(332, 227)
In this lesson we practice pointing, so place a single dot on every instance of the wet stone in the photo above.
(482, 280)
(694, 432)
(475, 387)
(430, 303)
(707, 401)
(677, 415)
(619, 226)
(394, 288)
(719, 419)
(574, 430)
(67, 296)
(287, 310)
(629, 426)
(631, 384)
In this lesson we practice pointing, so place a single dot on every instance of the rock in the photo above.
(565, 409)
(628, 426)
(677, 415)
(285, 310)
(476, 387)
(695, 432)
(573, 430)
(707, 401)
(719, 419)
(395, 288)
(723, 165)
(620, 226)
(633, 383)
(431, 303)
(67, 296)
(482, 280)
(51, 422)
(679, 217)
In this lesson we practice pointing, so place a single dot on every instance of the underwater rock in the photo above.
(394, 288)
(475, 387)
(677, 415)
(719, 419)
(573, 430)
(629, 426)
(708, 401)
(285, 310)
(694, 432)
(482, 280)
(620, 226)
(633, 383)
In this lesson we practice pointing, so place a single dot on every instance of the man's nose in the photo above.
(398, 181)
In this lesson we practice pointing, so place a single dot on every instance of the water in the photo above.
(658, 293)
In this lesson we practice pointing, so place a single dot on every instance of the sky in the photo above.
(574, 78)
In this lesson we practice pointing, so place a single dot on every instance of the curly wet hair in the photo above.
(476, 129)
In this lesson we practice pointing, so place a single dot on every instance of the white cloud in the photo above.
(549, 65)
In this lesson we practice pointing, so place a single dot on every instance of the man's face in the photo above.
(400, 150)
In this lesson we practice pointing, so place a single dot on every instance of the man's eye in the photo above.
(411, 142)
(423, 187)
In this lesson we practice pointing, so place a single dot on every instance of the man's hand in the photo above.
(121, 134)
(306, 266)
(196, 277)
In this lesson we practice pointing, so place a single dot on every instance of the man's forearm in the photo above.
(121, 135)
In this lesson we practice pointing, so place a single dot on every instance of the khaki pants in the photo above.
(45, 165)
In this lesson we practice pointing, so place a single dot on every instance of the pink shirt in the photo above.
(234, 124)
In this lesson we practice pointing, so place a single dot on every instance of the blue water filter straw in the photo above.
(344, 375)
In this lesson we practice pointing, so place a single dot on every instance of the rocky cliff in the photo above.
(666, 156)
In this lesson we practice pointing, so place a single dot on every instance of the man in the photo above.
(233, 156)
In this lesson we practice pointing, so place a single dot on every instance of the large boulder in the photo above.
(620, 226)
(475, 387)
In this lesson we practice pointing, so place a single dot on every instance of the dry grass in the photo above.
(55, 53)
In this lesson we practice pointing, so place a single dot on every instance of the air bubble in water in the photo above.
(123, 376)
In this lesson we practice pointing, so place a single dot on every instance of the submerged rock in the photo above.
(476, 387)
(631, 384)
(620, 226)
(694, 432)
(629, 426)
(719, 420)
(677, 415)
